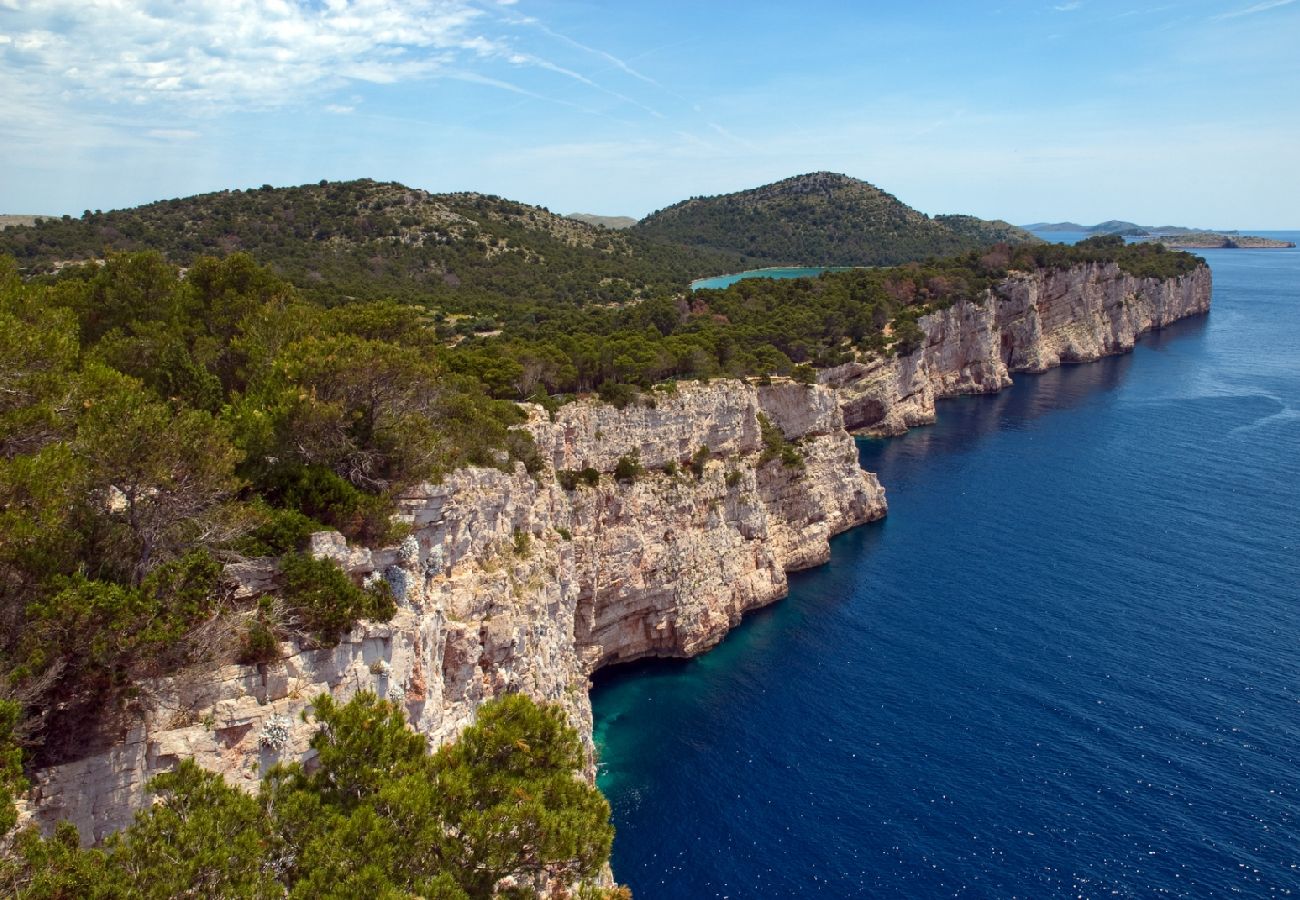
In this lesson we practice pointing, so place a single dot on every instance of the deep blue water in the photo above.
(1068, 662)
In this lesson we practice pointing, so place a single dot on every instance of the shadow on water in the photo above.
(964, 422)
(760, 630)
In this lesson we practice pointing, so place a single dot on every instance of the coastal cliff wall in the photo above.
(512, 583)
(1032, 322)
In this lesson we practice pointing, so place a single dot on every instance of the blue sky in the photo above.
(1158, 111)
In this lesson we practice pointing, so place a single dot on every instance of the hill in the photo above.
(338, 241)
(614, 222)
(820, 219)
(9, 221)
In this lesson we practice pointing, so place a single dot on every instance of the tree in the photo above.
(162, 477)
(499, 812)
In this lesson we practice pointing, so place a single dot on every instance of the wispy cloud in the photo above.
(217, 54)
(1068, 7)
(1251, 10)
(608, 57)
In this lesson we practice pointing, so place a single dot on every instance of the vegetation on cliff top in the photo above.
(821, 219)
(500, 812)
(156, 423)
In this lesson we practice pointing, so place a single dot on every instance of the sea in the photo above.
(1066, 664)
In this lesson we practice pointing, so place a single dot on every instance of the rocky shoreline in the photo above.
(511, 582)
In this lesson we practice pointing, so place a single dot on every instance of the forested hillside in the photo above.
(336, 241)
(821, 219)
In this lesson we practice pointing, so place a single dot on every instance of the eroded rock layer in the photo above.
(509, 582)
(1031, 322)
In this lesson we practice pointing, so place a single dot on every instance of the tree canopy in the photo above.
(501, 812)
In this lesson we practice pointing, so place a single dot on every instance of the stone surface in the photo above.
(663, 566)
(1033, 322)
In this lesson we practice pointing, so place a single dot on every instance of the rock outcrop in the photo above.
(1031, 322)
(509, 582)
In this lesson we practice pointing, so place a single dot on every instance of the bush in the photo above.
(323, 600)
(629, 467)
(523, 447)
(523, 542)
(734, 477)
(282, 531)
(617, 395)
(699, 459)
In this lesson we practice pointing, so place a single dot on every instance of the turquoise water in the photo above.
(722, 281)
(1067, 663)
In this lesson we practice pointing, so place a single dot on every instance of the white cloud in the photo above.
(174, 134)
(217, 54)
(1068, 7)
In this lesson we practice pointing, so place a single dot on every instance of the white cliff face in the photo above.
(511, 583)
(1034, 321)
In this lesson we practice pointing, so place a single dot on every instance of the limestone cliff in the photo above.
(1031, 322)
(512, 583)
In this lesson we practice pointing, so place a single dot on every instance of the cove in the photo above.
(723, 281)
(1066, 663)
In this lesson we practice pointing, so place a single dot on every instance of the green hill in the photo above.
(820, 219)
(363, 239)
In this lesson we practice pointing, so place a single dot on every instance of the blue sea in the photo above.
(1066, 664)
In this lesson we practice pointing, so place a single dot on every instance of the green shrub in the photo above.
(564, 533)
(698, 461)
(617, 395)
(523, 542)
(259, 643)
(629, 467)
(282, 531)
(523, 447)
(323, 600)
(734, 477)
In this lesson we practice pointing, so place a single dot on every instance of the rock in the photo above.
(1033, 322)
(664, 566)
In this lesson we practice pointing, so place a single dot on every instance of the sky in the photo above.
(1154, 111)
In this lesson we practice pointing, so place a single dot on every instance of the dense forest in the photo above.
(166, 411)
(821, 219)
(338, 241)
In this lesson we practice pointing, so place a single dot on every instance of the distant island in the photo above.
(1169, 235)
